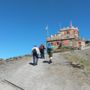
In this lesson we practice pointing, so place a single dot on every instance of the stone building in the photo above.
(67, 37)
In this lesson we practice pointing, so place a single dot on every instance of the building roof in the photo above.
(69, 28)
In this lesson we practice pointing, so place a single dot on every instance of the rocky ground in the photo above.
(81, 56)
(85, 54)
(58, 75)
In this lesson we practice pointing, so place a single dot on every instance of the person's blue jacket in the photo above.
(49, 45)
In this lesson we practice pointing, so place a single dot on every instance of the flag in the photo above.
(46, 28)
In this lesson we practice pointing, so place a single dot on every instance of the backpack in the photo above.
(34, 51)
(49, 45)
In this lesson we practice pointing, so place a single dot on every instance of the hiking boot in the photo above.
(50, 61)
(36, 64)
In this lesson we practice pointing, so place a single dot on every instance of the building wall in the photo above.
(67, 37)
(66, 34)
(71, 43)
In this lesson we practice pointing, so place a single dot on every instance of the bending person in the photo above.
(35, 53)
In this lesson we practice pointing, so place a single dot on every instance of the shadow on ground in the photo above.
(45, 61)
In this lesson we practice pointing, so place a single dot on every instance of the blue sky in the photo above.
(23, 22)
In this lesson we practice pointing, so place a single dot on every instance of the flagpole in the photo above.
(46, 30)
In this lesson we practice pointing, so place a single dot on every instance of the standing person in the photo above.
(35, 53)
(42, 49)
(49, 52)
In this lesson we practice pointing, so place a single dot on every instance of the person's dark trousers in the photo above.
(35, 59)
(42, 53)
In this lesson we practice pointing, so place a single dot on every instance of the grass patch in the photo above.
(74, 58)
